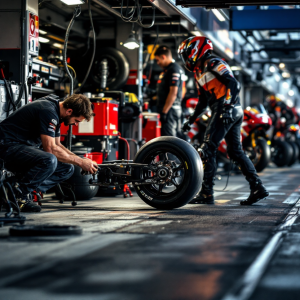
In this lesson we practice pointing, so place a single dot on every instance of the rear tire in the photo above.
(282, 154)
(298, 144)
(263, 153)
(295, 155)
(189, 167)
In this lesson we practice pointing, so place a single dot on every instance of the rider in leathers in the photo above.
(218, 89)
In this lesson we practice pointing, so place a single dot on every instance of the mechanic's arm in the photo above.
(57, 142)
(50, 146)
(170, 99)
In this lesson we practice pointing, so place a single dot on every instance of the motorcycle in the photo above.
(254, 138)
(285, 146)
(167, 173)
(253, 135)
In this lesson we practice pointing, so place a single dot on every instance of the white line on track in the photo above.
(248, 283)
(292, 199)
(229, 190)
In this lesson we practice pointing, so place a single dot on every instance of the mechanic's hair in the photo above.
(163, 50)
(81, 106)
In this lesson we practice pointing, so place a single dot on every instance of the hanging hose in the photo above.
(74, 72)
(94, 49)
(76, 13)
(128, 147)
(16, 103)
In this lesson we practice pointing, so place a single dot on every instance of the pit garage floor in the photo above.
(129, 251)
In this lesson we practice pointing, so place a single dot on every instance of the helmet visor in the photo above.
(185, 60)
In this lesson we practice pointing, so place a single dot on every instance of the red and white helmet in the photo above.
(193, 49)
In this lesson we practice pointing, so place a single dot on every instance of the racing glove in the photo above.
(226, 115)
(186, 126)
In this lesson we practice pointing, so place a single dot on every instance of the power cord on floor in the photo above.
(230, 167)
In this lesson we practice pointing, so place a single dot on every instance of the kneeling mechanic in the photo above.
(218, 89)
(30, 144)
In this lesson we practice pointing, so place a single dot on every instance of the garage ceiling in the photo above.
(226, 4)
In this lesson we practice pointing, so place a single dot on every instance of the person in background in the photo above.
(218, 89)
(169, 92)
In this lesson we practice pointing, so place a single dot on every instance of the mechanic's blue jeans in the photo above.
(36, 169)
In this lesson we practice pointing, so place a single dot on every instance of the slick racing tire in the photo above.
(80, 185)
(179, 169)
(298, 144)
(263, 154)
(295, 155)
(282, 154)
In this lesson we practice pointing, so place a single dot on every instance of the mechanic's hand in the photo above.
(226, 115)
(186, 126)
(89, 166)
(163, 117)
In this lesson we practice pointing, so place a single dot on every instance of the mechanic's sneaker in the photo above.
(27, 205)
(257, 194)
(203, 199)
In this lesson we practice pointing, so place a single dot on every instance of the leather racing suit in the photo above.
(218, 89)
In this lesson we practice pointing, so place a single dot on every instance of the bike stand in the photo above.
(10, 216)
(63, 196)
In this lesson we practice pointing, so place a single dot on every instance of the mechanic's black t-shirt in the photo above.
(26, 124)
(171, 76)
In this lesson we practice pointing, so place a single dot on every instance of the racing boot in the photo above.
(203, 198)
(206, 195)
(257, 193)
(27, 205)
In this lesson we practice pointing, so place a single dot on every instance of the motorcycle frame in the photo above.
(107, 173)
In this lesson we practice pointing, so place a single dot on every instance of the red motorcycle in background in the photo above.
(253, 135)
(285, 145)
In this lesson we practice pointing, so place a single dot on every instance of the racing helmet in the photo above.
(194, 49)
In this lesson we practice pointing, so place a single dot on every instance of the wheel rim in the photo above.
(171, 173)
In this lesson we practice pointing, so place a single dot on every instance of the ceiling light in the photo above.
(286, 75)
(281, 65)
(289, 102)
(277, 78)
(236, 68)
(43, 40)
(72, 2)
(218, 15)
(42, 31)
(196, 33)
(272, 69)
(131, 43)
(285, 85)
(60, 46)
(291, 93)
